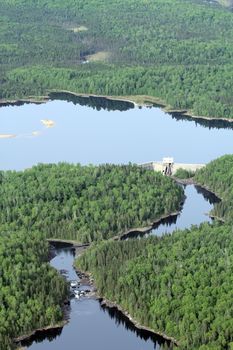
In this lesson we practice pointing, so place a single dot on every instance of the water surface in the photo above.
(87, 135)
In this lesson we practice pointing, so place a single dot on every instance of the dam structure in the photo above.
(168, 167)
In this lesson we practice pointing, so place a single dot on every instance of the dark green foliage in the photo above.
(31, 292)
(180, 284)
(70, 202)
(179, 50)
(218, 176)
(85, 203)
(184, 174)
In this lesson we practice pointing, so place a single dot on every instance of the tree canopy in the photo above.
(179, 51)
(179, 284)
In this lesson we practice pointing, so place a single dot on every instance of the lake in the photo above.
(83, 134)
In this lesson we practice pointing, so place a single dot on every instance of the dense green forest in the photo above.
(218, 176)
(184, 174)
(179, 51)
(31, 292)
(179, 284)
(85, 203)
(70, 202)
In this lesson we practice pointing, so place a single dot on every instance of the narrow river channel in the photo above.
(92, 326)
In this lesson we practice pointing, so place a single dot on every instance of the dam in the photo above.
(168, 167)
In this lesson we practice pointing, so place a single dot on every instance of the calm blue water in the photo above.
(82, 134)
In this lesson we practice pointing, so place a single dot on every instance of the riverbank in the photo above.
(110, 304)
(42, 329)
(191, 181)
(147, 229)
(136, 100)
(73, 243)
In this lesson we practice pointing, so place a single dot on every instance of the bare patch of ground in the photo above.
(98, 56)
(79, 29)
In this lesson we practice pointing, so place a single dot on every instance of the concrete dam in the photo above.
(168, 167)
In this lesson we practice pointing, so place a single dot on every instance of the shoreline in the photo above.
(27, 336)
(136, 100)
(146, 229)
(110, 304)
(191, 181)
(73, 243)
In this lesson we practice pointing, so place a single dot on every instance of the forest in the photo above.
(71, 202)
(85, 203)
(179, 284)
(218, 176)
(31, 292)
(179, 51)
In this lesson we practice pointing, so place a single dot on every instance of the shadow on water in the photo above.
(94, 102)
(40, 336)
(210, 124)
(169, 221)
(121, 319)
(103, 103)
(209, 196)
(19, 103)
(99, 103)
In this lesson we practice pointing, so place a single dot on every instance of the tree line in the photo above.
(43, 46)
(31, 292)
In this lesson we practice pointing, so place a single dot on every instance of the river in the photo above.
(100, 131)
(109, 328)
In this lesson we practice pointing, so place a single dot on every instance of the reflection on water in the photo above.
(41, 336)
(209, 196)
(121, 319)
(99, 103)
(94, 102)
(210, 124)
